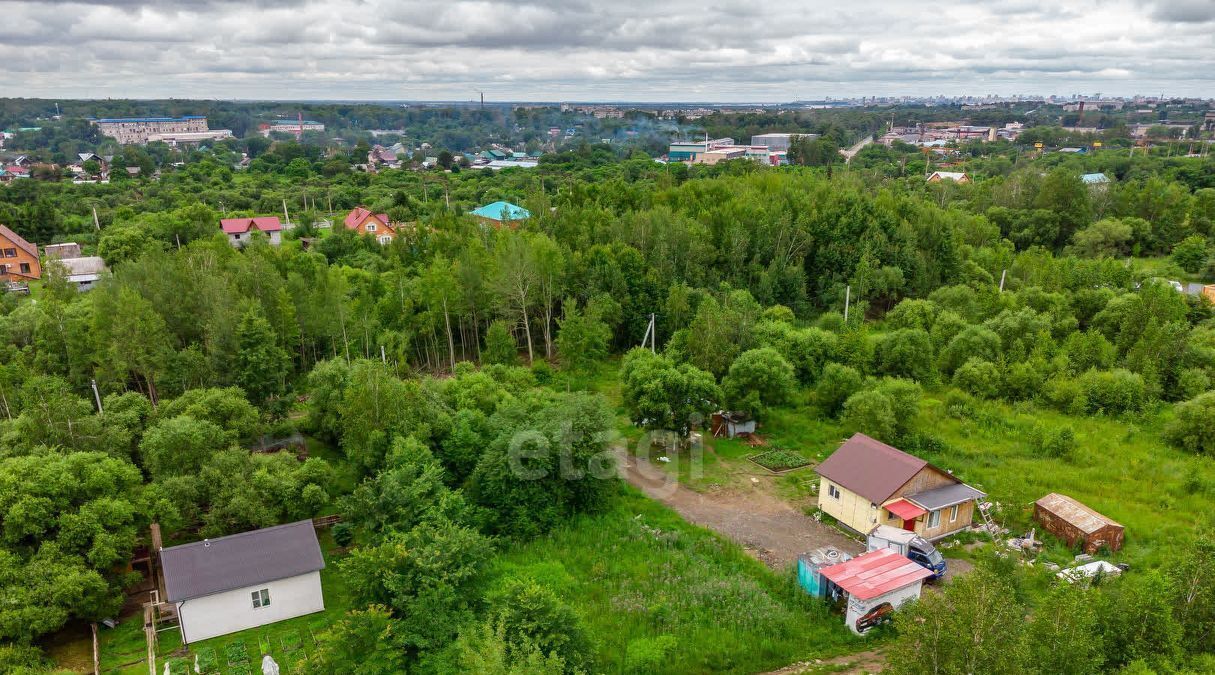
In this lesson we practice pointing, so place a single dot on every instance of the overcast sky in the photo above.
(656, 50)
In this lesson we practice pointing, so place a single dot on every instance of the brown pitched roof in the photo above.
(870, 468)
(17, 239)
(1084, 518)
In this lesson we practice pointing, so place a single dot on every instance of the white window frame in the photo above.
(370, 227)
(934, 519)
(385, 240)
(953, 513)
(261, 598)
(832, 491)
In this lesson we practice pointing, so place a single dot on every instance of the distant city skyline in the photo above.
(727, 51)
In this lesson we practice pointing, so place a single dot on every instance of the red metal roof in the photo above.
(875, 573)
(359, 214)
(904, 509)
(870, 468)
(242, 225)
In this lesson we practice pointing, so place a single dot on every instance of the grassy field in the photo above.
(637, 572)
(123, 648)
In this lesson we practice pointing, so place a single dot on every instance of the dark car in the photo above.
(876, 616)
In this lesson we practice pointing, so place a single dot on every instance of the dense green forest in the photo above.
(428, 362)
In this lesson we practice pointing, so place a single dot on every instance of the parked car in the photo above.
(880, 614)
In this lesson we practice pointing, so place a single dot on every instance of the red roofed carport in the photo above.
(876, 583)
(907, 511)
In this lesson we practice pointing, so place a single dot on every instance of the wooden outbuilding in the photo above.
(1074, 522)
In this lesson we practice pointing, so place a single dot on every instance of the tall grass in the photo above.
(638, 571)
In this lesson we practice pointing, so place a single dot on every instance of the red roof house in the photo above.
(363, 221)
(240, 230)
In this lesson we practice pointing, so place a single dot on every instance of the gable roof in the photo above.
(1082, 517)
(359, 214)
(242, 225)
(502, 211)
(875, 573)
(870, 468)
(949, 175)
(240, 560)
(18, 240)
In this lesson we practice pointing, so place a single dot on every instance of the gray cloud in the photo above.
(724, 50)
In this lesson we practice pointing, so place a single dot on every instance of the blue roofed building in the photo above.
(1095, 179)
(500, 213)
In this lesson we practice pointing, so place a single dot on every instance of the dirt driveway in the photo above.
(766, 526)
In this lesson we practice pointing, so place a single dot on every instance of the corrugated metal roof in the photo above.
(242, 225)
(240, 560)
(948, 495)
(1072, 511)
(904, 509)
(875, 573)
(870, 468)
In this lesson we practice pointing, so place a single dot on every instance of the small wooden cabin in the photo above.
(1074, 522)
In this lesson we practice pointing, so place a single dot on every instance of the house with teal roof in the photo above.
(500, 213)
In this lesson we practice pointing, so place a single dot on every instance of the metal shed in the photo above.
(1074, 522)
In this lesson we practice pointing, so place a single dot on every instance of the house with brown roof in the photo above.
(363, 221)
(18, 258)
(866, 483)
(240, 230)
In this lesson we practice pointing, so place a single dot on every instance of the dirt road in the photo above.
(766, 526)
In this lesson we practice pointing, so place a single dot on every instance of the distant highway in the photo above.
(851, 152)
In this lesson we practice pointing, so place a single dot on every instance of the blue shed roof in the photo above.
(502, 211)
(1091, 178)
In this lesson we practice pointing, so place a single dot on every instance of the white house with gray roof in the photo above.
(245, 580)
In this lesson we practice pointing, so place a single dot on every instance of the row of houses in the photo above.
(20, 262)
(240, 231)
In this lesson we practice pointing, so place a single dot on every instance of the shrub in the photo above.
(1191, 253)
(1024, 380)
(837, 383)
(1066, 395)
(1057, 442)
(905, 353)
(1088, 350)
(978, 377)
(870, 412)
(974, 341)
(500, 345)
(913, 313)
(1192, 382)
(959, 404)
(1113, 391)
(343, 534)
(831, 321)
(649, 655)
(758, 379)
(1193, 425)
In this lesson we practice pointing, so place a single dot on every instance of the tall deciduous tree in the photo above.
(261, 364)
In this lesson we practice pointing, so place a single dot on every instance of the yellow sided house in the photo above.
(866, 483)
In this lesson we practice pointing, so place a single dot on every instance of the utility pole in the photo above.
(96, 223)
(847, 301)
(1002, 275)
(383, 357)
(286, 218)
(96, 395)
